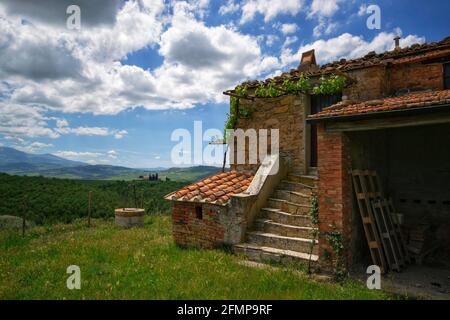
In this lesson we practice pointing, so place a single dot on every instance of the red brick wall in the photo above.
(380, 81)
(417, 76)
(188, 230)
(335, 202)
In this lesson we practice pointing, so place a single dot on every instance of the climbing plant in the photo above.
(334, 238)
(314, 210)
(314, 216)
(233, 116)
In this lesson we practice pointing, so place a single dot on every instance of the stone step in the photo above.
(310, 181)
(292, 196)
(279, 216)
(297, 187)
(270, 226)
(273, 255)
(281, 242)
(289, 207)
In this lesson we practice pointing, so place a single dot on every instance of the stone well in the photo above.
(129, 217)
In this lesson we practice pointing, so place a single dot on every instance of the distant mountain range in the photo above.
(16, 162)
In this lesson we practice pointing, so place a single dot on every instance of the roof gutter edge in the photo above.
(381, 114)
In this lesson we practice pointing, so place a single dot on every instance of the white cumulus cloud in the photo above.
(33, 147)
(269, 9)
(230, 7)
(289, 28)
(325, 8)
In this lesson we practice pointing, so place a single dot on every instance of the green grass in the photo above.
(144, 263)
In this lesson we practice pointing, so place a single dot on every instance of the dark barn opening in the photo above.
(413, 164)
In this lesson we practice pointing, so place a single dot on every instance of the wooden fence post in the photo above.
(89, 208)
(135, 196)
(24, 215)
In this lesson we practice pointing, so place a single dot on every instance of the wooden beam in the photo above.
(384, 123)
(231, 94)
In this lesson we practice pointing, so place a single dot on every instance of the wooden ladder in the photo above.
(365, 193)
(390, 216)
(391, 244)
(398, 231)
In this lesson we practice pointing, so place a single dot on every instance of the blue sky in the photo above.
(115, 90)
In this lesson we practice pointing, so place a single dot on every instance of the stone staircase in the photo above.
(283, 232)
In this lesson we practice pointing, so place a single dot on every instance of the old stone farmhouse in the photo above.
(392, 117)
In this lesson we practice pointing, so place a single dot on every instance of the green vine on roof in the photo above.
(326, 85)
(268, 91)
(303, 85)
(331, 85)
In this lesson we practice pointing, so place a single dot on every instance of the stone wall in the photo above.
(190, 230)
(370, 85)
(286, 113)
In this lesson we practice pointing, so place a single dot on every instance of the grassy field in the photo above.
(144, 264)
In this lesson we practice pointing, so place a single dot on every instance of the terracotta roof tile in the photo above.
(183, 192)
(413, 100)
(423, 56)
(216, 189)
(414, 53)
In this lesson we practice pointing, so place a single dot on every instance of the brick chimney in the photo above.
(308, 58)
(397, 42)
(308, 61)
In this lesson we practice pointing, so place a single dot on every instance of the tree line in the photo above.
(52, 200)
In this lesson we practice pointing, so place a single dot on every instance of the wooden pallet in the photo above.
(398, 231)
(391, 244)
(365, 192)
(391, 219)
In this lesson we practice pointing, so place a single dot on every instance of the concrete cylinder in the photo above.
(129, 217)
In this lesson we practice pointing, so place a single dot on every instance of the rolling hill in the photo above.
(16, 162)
